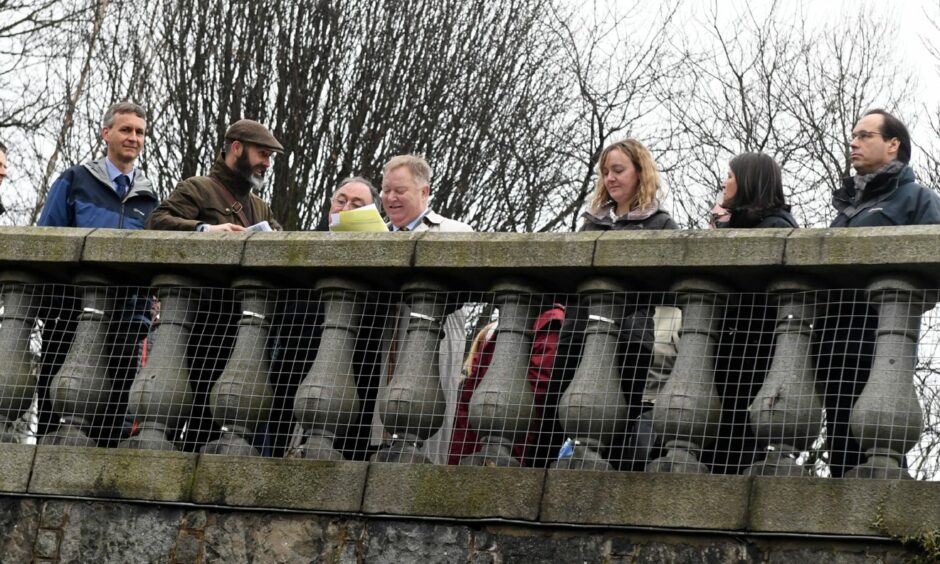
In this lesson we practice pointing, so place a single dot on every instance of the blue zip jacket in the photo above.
(82, 196)
(889, 199)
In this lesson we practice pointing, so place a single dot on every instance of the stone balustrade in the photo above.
(748, 393)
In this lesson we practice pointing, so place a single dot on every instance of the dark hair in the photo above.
(3, 148)
(376, 199)
(892, 128)
(760, 183)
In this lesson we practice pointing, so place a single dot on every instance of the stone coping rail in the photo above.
(843, 507)
(651, 258)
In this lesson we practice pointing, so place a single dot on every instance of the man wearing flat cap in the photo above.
(223, 201)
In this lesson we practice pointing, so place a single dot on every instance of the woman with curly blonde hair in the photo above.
(625, 196)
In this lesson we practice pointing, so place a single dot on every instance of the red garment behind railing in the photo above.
(546, 330)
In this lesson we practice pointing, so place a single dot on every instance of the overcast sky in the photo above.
(912, 18)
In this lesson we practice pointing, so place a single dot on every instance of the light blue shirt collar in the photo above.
(114, 172)
(416, 221)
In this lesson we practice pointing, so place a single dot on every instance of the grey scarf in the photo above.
(862, 180)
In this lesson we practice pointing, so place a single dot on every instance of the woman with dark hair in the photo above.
(753, 194)
(753, 198)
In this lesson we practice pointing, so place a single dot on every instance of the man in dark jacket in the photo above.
(883, 192)
(223, 201)
(110, 192)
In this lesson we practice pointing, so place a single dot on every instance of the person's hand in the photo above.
(225, 227)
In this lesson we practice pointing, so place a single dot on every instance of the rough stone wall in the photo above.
(50, 530)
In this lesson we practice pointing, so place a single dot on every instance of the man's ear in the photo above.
(894, 146)
(426, 191)
(104, 132)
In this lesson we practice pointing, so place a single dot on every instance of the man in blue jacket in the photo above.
(883, 190)
(110, 192)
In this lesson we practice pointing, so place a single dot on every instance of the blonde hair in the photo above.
(418, 167)
(647, 175)
(475, 348)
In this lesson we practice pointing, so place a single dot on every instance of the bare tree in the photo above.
(71, 102)
(35, 38)
(473, 86)
(728, 100)
(928, 157)
(618, 84)
(843, 71)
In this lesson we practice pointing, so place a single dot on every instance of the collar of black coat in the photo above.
(746, 219)
(879, 186)
(236, 183)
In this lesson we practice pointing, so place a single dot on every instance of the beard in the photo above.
(244, 169)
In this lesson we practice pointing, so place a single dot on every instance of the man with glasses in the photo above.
(351, 194)
(354, 193)
(883, 190)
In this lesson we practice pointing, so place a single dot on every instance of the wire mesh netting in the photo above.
(826, 383)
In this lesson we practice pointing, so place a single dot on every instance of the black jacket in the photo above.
(762, 219)
(889, 199)
(742, 357)
(659, 220)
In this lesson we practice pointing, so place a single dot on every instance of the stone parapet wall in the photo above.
(747, 505)
(217, 508)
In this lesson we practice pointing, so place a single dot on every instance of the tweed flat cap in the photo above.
(250, 131)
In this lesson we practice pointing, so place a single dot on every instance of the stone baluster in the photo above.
(160, 398)
(593, 408)
(688, 409)
(786, 414)
(17, 376)
(412, 406)
(887, 420)
(81, 387)
(503, 405)
(241, 398)
(327, 400)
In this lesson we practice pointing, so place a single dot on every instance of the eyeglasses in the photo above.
(864, 135)
(342, 202)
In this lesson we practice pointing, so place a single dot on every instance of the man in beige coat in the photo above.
(406, 189)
